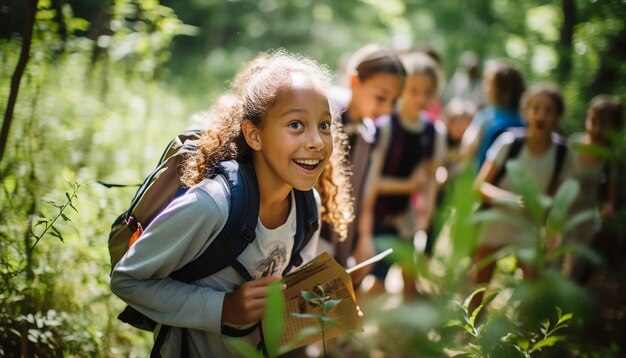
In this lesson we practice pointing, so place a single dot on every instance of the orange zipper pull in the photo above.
(136, 235)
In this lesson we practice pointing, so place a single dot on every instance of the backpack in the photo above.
(516, 148)
(163, 184)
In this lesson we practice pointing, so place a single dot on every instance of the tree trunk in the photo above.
(565, 42)
(29, 23)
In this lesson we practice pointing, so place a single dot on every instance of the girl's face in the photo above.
(418, 94)
(295, 136)
(375, 96)
(489, 87)
(541, 115)
(594, 126)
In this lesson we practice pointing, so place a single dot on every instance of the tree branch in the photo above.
(27, 36)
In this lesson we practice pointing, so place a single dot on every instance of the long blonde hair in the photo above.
(252, 94)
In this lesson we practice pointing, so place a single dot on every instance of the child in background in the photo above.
(539, 155)
(466, 82)
(596, 176)
(457, 116)
(282, 125)
(403, 163)
(503, 85)
(376, 78)
(434, 109)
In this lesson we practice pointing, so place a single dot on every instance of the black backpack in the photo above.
(516, 148)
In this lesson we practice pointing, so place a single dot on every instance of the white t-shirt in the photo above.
(540, 167)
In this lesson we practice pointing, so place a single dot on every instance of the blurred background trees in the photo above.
(108, 83)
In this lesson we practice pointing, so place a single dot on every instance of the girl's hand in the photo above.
(246, 304)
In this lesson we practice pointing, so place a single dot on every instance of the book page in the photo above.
(322, 274)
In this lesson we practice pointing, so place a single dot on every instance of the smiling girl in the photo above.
(280, 124)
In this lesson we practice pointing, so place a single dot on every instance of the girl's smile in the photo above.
(308, 165)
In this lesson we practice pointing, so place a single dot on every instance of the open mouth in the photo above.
(541, 125)
(308, 164)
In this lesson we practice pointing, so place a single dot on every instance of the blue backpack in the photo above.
(163, 185)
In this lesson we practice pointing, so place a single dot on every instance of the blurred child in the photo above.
(466, 82)
(596, 175)
(434, 109)
(503, 85)
(376, 78)
(540, 153)
(403, 163)
(282, 126)
(457, 116)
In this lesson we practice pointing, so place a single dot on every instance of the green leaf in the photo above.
(546, 342)
(526, 186)
(41, 221)
(245, 348)
(486, 301)
(310, 295)
(78, 24)
(492, 215)
(273, 319)
(469, 298)
(588, 253)
(328, 305)
(594, 150)
(307, 315)
(302, 335)
(65, 217)
(578, 219)
(454, 323)
(563, 199)
(564, 318)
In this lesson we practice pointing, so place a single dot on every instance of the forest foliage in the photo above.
(107, 84)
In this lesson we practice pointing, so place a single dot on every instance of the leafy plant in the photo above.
(532, 342)
(273, 323)
(49, 223)
(542, 220)
(488, 336)
(323, 302)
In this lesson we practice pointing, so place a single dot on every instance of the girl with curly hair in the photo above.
(280, 123)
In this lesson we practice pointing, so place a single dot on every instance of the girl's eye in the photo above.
(295, 125)
(325, 126)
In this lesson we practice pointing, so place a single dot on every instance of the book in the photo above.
(325, 277)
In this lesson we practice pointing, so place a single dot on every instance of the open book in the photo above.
(322, 274)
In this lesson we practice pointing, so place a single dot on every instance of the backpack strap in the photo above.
(514, 150)
(239, 230)
(561, 153)
(307, 222)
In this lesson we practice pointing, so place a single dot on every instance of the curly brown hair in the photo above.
(251, 96)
